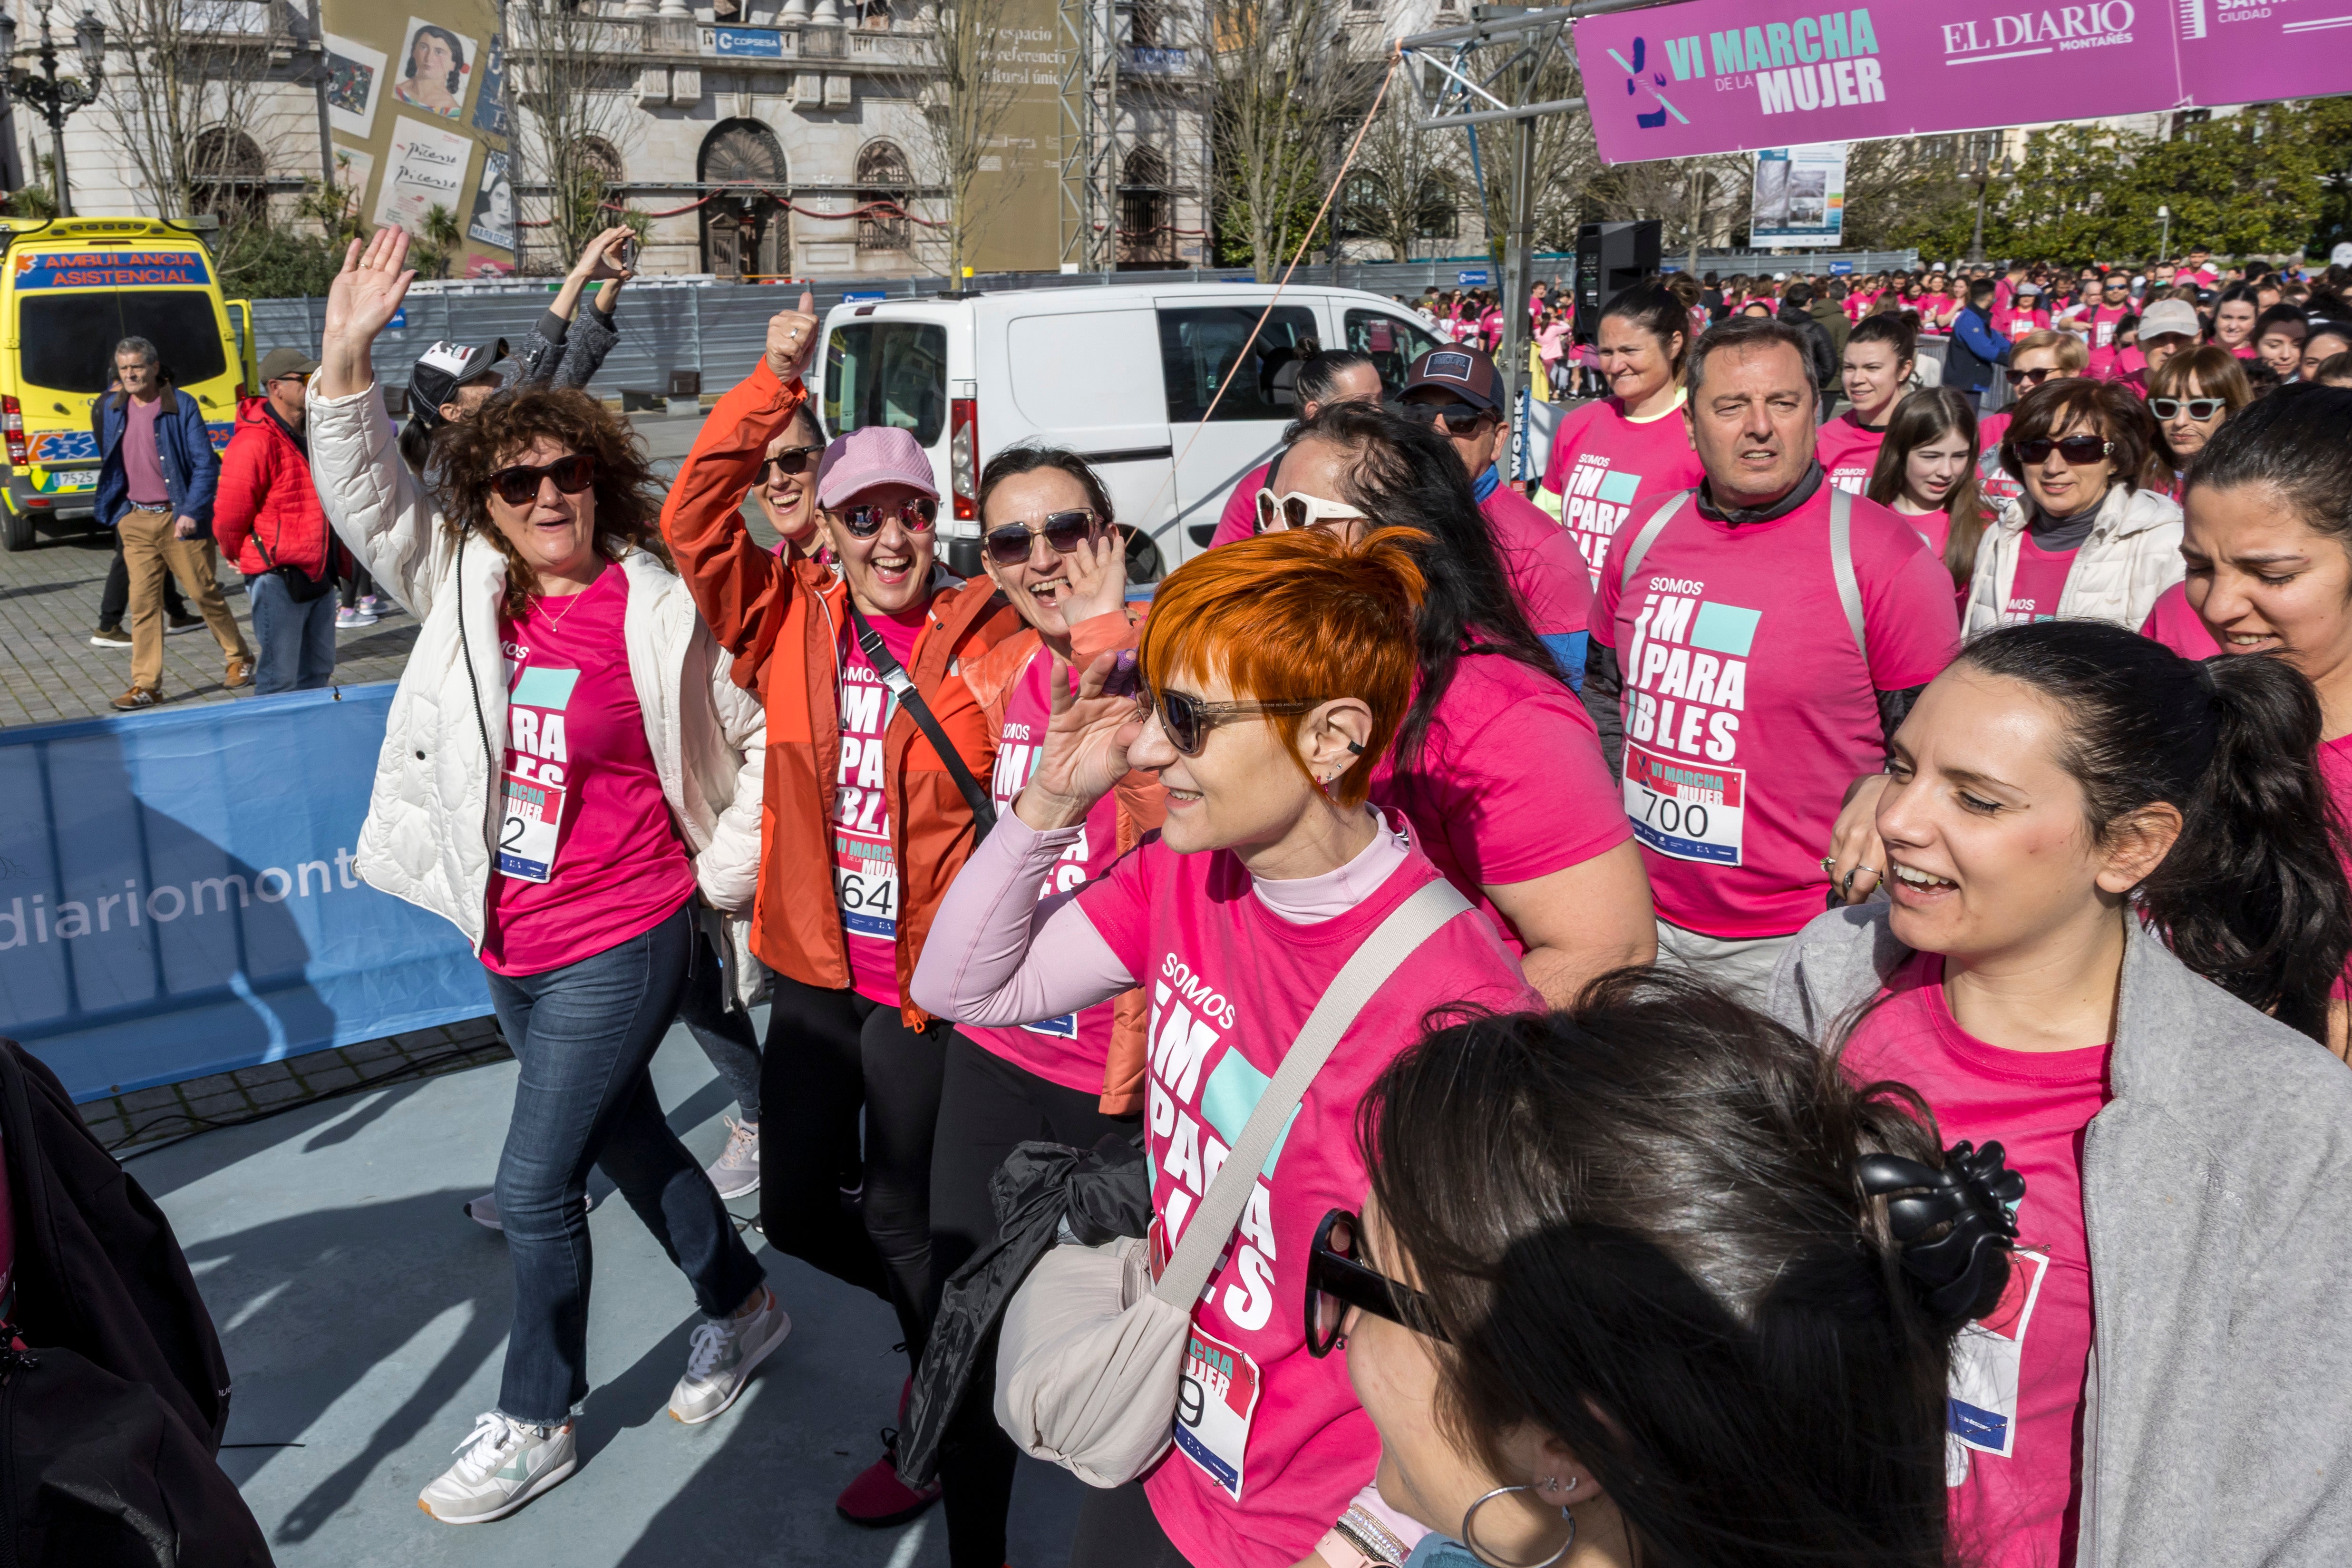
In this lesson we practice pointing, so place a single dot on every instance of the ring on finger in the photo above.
(1829, 866)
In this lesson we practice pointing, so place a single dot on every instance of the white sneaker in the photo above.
(484, 1211)
(501, 1466)
(737, 1169)
(351, 615)
(723, 1352)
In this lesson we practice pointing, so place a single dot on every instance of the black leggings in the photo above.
(986, 1105)
(863, 1215)
(1117, 1529)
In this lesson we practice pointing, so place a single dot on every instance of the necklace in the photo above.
(555, 621)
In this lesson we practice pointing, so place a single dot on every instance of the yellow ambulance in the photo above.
(70, 288)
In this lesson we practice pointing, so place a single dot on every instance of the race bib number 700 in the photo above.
(1690, 811)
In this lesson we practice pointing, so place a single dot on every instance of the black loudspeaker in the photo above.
(1611, 258)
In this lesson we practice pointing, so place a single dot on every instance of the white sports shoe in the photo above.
(723, 1352)
(736, 1171)
(501, 1466)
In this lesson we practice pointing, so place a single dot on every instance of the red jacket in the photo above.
(265, 489)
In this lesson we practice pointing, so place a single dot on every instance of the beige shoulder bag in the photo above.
(1091, 1351)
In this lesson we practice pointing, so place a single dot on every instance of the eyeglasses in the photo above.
(2197, 408)
(1277, 514)
(915, 516)
(2077, 450)
(791, 460)
(1338, 1280)
(2034, 377)
(1186, 720)
(1064, 531)
(1461, 418)
(518, 486)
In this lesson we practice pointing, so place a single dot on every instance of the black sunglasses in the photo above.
(866, 521)
(2199, 408)
(2034, 377)
(791, 460)
(2078, 450)
(1460, 418)
(518, 486)
(1186, 720)
(1064, 531)
(1338, 1280)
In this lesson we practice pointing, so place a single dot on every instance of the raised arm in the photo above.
(742, 591)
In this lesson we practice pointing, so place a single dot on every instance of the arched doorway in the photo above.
(743, 232)
(883, 178)
(228, 176)
(1146, 210)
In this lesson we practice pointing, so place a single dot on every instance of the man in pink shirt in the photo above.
(2105, 325)
(1754, 643)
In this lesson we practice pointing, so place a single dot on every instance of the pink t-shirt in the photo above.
(143, 467)
(1239, 519)
(2100, 324)
(1509, 785)
(1070, 1050)
(2040, 579)
(1606, 469)
(587, 855)
(865, 864)
(1741, 738)
(1542, 559)
(1279, 1444)
(2014, 1458)
(2013, 323)
(2179, 627)
(1848, 450)
(1935, 527)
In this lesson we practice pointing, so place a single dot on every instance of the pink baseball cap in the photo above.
(876, 455)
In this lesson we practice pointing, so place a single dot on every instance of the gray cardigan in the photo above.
(2217, 1190)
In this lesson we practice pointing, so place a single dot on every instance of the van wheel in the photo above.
(1142, 557)
(15, 529)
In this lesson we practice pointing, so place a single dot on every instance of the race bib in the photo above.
(1988, 1363)
(534, 812)
(1690, 811)
(1216, 1395)
(865, 886)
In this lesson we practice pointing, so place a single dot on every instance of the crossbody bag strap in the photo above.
(1647, 537)
(1409, 925)
(902, 687)
(1849, 588)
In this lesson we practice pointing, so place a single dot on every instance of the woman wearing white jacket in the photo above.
(2085, 542)
(562, 772)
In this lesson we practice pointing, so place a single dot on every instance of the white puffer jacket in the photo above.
(2131, 557)
(431, 821)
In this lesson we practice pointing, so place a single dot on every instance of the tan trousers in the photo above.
(149, 550)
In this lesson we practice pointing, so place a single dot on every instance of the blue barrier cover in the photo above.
(178, 897)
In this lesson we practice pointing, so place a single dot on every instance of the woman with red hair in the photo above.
(1274, 672)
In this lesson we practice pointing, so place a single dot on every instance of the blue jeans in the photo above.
(582, 1036)
(294, 645)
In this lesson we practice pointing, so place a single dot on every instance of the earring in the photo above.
(1471, 1541)
(1554, 1484)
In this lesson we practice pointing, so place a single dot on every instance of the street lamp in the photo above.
(2164, 245)
(58, 99)
(1987, 168)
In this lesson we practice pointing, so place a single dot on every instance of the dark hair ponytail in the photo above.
(2253, 895)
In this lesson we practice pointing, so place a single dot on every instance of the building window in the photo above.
(1146, 210)
(884, 189)
(228, 176)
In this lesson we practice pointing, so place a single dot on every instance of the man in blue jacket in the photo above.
(1974, 348)
(155, 481)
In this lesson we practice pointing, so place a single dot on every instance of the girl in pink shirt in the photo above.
(1622, 456)
(2064, 803)
(1620, 1370)
(1277, 670)
(1926, 474)
(1877, 365)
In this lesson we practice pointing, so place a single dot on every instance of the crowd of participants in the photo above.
(1784, 1016)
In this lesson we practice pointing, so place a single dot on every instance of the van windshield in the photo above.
(68, 339)
(887, 373)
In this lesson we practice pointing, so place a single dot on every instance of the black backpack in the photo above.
(110, 1418)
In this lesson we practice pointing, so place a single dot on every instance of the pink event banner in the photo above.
(1721, 76)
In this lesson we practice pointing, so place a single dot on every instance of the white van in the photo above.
(1120, 375)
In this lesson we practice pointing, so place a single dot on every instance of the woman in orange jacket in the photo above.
(859, 801)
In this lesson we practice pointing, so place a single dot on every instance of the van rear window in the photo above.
(887, 373)
(68, 339)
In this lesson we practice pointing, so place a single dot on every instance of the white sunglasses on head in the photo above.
(1279, 514)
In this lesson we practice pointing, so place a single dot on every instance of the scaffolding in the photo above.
(1090, 163)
